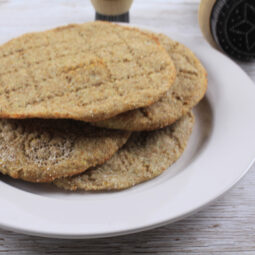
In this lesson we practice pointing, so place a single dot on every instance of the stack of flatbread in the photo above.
(96, 106)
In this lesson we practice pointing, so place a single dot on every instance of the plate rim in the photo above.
(160, 222)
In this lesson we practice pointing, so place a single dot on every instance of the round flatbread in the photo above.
(145, 156)
(189, 88)
(88, 72)
(41, 150)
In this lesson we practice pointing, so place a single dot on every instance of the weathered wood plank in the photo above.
(226, 227)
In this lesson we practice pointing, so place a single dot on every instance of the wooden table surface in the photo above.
(226, 227)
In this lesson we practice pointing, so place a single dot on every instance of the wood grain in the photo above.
(226, 227)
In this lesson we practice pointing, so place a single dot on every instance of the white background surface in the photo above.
(227, 227)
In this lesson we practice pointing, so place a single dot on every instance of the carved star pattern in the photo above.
(246, 26)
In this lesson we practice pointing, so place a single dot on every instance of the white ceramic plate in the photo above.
(219, 153)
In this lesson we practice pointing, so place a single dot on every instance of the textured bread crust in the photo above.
(189, 88)
(145, 156)
(88, 72)
(41, 150)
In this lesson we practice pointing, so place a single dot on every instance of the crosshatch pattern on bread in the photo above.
(88, 72)
(188, 89)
